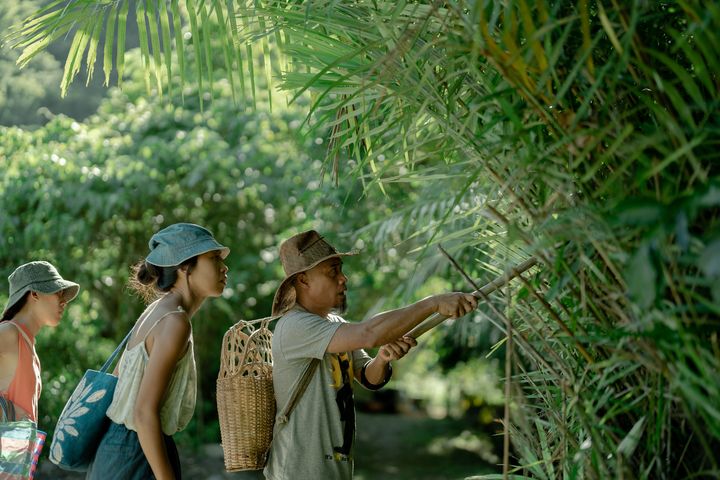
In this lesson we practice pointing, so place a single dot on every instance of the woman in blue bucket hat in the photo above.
(37, 298)
(155, 393)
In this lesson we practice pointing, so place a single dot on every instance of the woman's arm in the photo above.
(170, 341)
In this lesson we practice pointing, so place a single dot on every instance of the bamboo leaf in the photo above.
(167, 43)
(72, 64)
(37, 25)
(530, 34)
(572, 77)
(546, 455)
(144, 47)
(585, 28)
(39, 43)
(605, 157)
(685, 149)
(192, 15)
(226, 44)
(120, 51)
(205, 40)
(109, 42)
(154, 41)
(244, 16)
(686, 80)
(240, 67)
(179, 47)
(94, 40)
(32, 50)
(267, 62)
(609, 30)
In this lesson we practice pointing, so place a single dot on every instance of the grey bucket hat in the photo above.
(39, 276)
(174, 244)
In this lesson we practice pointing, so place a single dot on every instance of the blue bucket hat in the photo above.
(174, 244)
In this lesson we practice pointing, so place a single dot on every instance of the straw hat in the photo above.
(176, 243)
(299, 254)
(39, 276)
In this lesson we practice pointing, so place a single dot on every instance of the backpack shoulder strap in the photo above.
(299, 390)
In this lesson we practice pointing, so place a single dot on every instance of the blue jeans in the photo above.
(119, 456)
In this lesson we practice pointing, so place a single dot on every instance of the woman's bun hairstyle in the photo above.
(150, 281)
(146, 273)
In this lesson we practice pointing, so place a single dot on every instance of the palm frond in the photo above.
(161, 30)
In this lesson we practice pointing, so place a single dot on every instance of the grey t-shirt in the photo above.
(317, 441)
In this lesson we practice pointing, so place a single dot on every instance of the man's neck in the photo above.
(311, 308)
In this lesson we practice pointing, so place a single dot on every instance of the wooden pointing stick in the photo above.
(480, 293)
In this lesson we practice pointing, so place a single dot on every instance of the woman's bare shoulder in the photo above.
(8, 336)
(8, 332)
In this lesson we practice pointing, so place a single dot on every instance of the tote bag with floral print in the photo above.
(82, 422)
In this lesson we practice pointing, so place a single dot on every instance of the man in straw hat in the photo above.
(316, 441)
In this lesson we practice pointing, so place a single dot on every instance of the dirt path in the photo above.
(402, 447)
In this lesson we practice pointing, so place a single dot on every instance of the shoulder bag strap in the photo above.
(8, 410)
(297, 394)
(114, 355)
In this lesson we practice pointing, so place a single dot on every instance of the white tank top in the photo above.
(179, 403)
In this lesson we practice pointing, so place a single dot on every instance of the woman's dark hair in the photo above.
(150, 281)
(12, 311)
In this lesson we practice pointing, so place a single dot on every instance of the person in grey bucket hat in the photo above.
(37, 298)
(157, 380)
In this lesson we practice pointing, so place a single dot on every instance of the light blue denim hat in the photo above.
(174, 244)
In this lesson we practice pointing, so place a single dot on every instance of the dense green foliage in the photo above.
(582, 133)
(598, 130)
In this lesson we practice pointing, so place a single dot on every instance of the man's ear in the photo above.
(34, 295)
(301, 280)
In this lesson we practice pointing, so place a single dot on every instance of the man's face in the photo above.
(327, 285)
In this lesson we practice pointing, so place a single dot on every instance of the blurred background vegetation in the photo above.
(582, 133)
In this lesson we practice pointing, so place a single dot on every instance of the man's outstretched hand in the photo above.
(397, 349)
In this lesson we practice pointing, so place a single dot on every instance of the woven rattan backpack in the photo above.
(245, 395)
